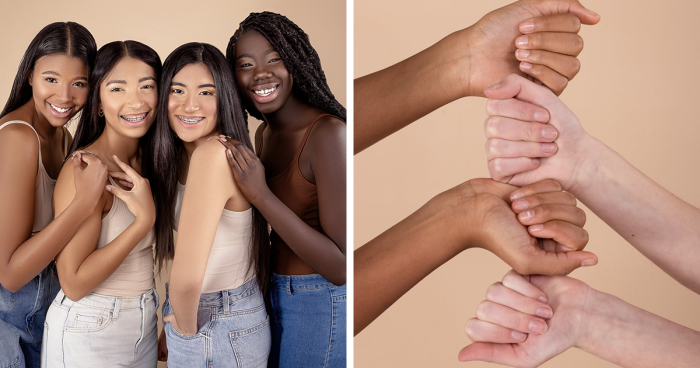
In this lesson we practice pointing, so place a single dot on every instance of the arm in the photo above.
(660, 225)
(466, 62)
(23, 256)
(325, 254)
(209, 186)
(80, 266)
(593, 321)
(476, 214)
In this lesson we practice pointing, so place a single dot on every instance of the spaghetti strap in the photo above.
(306, 137)
(30, 126)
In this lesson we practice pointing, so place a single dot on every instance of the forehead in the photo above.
(196, 74)
(129, 69)
(62, 64)
(252, 42)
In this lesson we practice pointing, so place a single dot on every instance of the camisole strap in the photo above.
(306, 137)
(29, 125)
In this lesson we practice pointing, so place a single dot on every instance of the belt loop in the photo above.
(289, 286)
(117, 303)
(226, 301)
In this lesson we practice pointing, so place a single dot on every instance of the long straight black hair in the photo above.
(91, 123)
(66, 38)
(168, 150)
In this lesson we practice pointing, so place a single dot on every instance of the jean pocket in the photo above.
(7, 300)
(171, 331)
(87, 319)
(9, 345)
(251, 346)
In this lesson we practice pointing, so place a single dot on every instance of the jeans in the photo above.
(234, 331)
(308, 322)
(101, 331)
(22, 317)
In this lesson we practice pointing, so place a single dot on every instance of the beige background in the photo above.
(637, 92)
(167, 24)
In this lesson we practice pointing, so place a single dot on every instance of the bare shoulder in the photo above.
(65, 184)
(211, 154)
(328, 135)
(20, 139)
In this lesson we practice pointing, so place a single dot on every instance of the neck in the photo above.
(111, 143)
(40, 123)
(293, 115)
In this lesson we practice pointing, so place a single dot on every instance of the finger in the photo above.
(563, 198)
(501, 315)
(168, 318)
(566, 22)
(546, 76)
(540, 262)
(89, 159)
(119, 192)
(517, 282)
(228, 144)
(238, 156)
(561, 43)
(515, 130)
(501, 148)
(478, 330)
(127, 184)
(515, 86)
(564, 233)
(490, 352)
(127, 169)
(542, 186)
(233, 163)
(119, 175)
(76, 162)
(563, 65)
(510, 298)
(551, 212)
(515, 109)
(503, 169)
(247, 153)
(586, 16)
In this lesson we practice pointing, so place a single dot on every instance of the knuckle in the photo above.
(534, 40)
(492, 147)
(498, 169)
(575, 67)
(581, 215)
(561, 86)
(574, 22)
(492, 107)
(532, 131)
(554, 185)
(491, 127)
(577, 43)
(482, 310)
(492, 291)
(470, 329)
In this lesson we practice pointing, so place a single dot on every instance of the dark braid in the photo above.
(299, 57)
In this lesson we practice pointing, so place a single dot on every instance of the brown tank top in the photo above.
(297, 193)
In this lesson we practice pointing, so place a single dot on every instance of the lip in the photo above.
(144, 116)
(268, 98)
(57, 113)
(182, 119)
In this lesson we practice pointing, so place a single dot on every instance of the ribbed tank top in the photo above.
(229, 265)
(300, 195)
(135, 275)
(43, 213)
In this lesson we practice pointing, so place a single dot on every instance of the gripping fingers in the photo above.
(566, 66)
(516, 282)
(515, 130)
(501, 148)
(509, 318)
(510, 298)
(478, 330)
(566, 22)
(564, 233)
(550, 212)
(561, 43)
(546, 76)
(542, 186)
(512, 108)
(523, 204)
(503, 169)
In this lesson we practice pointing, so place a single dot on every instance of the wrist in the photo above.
(587, 167)
(448, 214)
(82, 207)
(596, 320)
(454, 56)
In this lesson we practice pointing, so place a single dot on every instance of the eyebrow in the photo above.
(120, 81)
(51, 72)
(200, 86)
(248, 55)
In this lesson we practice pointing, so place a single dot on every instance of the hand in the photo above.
(498, 331)
(139, 199)
(89, 180)
(170, 318)
(247, 169)
(162, 347)
(547, 50)
(515, 150)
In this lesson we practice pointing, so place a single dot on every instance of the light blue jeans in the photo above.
(308, 322)
(101, 331)
(22, 317)
(234, 331)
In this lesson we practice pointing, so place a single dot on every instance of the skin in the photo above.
(129, 89)
(467, 61)
(322, 160)
(583, 317)
(210, 189)
(658, 224)
(62, 81)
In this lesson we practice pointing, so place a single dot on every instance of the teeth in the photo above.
(135, 119)
(189, 121)
(265, 92)
(60, 110)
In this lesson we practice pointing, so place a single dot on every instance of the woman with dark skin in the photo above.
(297, 181)
(51, 86)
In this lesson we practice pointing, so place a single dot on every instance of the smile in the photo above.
(265, 92)
(190, 121)
(134, 119)
(60, 110)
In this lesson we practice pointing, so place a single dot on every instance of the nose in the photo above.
(191, 104)
(261, 72)
(64, 95)
(134, 100)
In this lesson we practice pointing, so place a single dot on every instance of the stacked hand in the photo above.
(138, 199)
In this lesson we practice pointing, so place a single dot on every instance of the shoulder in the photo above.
(19, 136)
(209, 166)
(258, 135)
(65, 184)
(328, 135)
(210, 153)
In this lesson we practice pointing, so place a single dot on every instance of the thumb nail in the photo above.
(495, 86)
(592, 12)
(109, 188)
(588, 262)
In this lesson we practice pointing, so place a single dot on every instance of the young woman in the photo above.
(214, 310)
(105, 313)
(51, 86)
(301, 188)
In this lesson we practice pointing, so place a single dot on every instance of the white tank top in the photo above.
(43, 214)
(135, 275)
(228, 266)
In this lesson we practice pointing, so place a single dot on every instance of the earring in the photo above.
(101, 113)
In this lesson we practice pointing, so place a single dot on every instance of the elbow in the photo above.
(74, 294)
(11, 284)
(338, 278)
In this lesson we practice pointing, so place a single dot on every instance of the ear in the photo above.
(31, 76)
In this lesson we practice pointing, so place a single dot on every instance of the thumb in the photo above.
(515, 86)
(586, 16)
(119, 192)
(488, 352)
(77, 160)
(559, 264)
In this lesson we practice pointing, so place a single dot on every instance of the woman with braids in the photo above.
(105, 313)
(51, 86)
(297, 181)
(214, 310)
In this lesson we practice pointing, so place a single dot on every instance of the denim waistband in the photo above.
(112, 303)
(224, 297)
(291, 282)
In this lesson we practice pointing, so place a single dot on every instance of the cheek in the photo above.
(80, 96)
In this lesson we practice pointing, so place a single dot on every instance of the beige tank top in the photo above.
(228, 266)
(135, 275)
(43, 214)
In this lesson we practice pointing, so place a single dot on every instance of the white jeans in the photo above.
(101, 331)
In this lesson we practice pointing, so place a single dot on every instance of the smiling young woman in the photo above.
(51, 86)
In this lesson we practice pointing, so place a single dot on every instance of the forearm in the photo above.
(38, 251)
(660, 225)
(390, 99)
(318, 251)
(184, 296)
(632, 337)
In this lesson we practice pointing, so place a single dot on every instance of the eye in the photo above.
(245, 65)
(80, 84)
(274, 60)
(51, 80)
(116, 89)
(206, 93)
(176, 90)
(148, 86)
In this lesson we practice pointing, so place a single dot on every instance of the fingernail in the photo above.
(592, 12)
(549, 133)
(525, 65)
(516, 195)
(549, 147)
(521, 54)
(535, 228)
(536, 162)
(527, 26)
(520, 205)
(521, 41)
(527, 214)
(518, 336)
(228, 153)
(543, 299)
(542, 116)
(544, 313)
(537, 326)
(109, 188)
(495, 86)
(588, 262)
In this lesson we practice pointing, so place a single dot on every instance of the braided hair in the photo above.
(299, 57)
